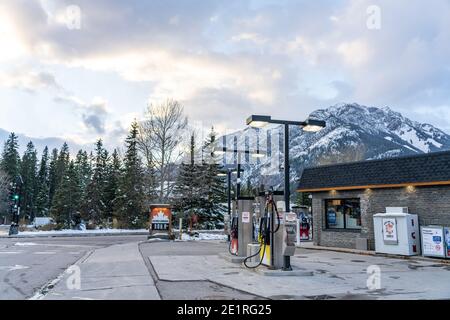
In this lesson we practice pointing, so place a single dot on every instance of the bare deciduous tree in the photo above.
(160, 136)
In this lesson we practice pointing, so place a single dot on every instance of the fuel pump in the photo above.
(267, 229)
(277, 233)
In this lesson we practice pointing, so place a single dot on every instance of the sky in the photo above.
(82, 70)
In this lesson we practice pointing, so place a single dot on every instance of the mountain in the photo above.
(39, 143)
(353, 132)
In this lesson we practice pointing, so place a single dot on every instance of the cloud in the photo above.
(30, 81)
(227, 59)
(95, 115)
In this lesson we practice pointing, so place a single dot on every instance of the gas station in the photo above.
(263, 230)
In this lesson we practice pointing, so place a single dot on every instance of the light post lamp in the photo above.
(228, 173)
(230, 170)
(310, 125)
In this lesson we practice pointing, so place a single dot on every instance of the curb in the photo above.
(375, 254)
(42, 292)
(75, 235)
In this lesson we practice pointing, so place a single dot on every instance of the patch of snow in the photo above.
(410, 136)
(72, 232)
(406, 146)
(25, 244)
(12, 268)
(203, 236)
(388, 138)
(435, 143)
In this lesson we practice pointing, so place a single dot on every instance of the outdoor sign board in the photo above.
(161, 220)
(245, 217)
(390, 230)
(331, 217)
(433, 241)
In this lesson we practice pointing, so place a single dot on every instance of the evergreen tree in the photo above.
(67, 200)
(94, 202)
(84, 169)
(187, 188)
(10, 161)
(212, 187)
(52, 177)
(303, 199)
(130, 201)
(113, 178)
(42, 200)
(28, 168)
(62, 163)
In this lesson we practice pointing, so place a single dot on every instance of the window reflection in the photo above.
(343, 214)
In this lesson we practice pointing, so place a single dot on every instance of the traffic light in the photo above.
(16, 197)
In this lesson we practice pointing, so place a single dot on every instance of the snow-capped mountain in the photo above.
(353, 132)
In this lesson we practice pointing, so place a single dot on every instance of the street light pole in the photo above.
(311, 125)
(229, 196)
(287, 192)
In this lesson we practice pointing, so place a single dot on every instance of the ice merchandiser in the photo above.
(397, 232)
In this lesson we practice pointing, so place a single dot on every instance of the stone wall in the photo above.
(431, 204)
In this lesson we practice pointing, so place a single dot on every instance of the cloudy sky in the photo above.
(86, 78)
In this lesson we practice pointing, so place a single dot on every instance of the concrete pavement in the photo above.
(115, 272)
(133, 268)
(335, 275)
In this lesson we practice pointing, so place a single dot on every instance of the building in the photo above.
(346, 196)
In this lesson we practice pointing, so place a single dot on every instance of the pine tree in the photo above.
(187, 188)
(62, 163)
(67, 200)
(212, 187)
(113, 178)
(95, 206)
(84, 169)
(10, 161)
(130, 201)
(42, 200)
(28, 168)
(52, 177)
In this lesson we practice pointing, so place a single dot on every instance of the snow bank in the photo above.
(25, 244)
(75, 232)
(203, 236)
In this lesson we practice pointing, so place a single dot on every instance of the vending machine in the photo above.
(397, 232)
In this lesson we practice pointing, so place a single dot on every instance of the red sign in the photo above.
(160, 218)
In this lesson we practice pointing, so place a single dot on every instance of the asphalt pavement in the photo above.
(131, 267)
(26, 265)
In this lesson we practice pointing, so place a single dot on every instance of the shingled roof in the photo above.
(423, 169)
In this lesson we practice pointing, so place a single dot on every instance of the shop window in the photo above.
(343, 214)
